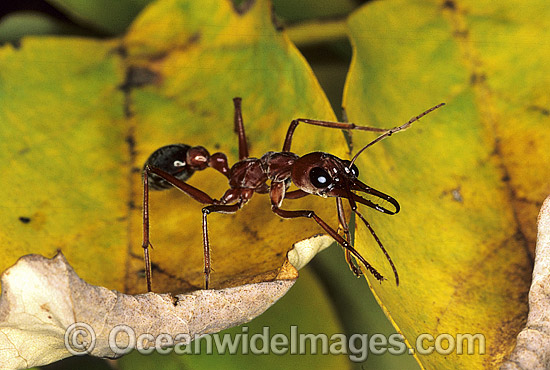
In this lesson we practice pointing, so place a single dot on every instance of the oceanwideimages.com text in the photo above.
(80, 339)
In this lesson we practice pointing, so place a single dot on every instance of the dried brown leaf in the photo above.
(533, 342)
(42, 298)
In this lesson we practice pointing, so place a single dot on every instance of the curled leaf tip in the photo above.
(305, 250)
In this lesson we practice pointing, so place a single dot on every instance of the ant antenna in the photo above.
(394, 130)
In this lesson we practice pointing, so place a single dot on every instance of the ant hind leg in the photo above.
(239, 129)
(193, 192)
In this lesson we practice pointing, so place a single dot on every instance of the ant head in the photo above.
(326, 175)
(322, 173)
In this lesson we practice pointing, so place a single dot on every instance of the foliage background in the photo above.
(340, 299)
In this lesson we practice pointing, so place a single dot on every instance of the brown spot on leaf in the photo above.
(243, 7)
(138, 77)
(476, 78)
(463, 34)
(543, 110)
(449, 4)
(175, 300)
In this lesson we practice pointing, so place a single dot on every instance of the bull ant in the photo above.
(316, 173)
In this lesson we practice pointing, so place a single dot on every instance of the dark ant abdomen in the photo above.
(171, 159)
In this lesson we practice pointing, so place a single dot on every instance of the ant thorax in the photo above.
(253, 173)
(278, 165)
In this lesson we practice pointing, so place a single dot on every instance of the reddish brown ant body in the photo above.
(315, 173)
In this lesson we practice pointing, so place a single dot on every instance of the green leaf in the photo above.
(298, 10)
(357, 309)
(112, 17)
(16, 25)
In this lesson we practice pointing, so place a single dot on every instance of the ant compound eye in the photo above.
(354, 170)
(319, 177)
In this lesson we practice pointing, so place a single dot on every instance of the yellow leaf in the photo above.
(470, 176)
(80, 117)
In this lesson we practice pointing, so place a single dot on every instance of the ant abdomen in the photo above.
(171, 159)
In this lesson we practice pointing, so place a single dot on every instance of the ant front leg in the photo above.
(277, 194)
(193, 192)
(344, 225)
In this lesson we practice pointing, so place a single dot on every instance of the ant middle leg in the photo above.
(219, 208)
(296, 194)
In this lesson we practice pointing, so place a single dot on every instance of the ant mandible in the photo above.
(315, 173)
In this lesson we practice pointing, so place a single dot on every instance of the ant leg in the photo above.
(219, 208)
(344, 225)
(239, 129)
(351, 126)
(329, 124)
(296, 194)
(199, 195)
(311, 214)
(193, 192)
(146, 243)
